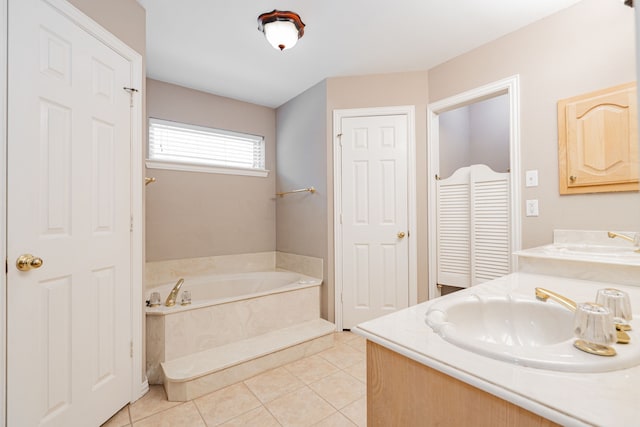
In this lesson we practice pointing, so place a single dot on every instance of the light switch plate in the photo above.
(532, 208)
(531, 178)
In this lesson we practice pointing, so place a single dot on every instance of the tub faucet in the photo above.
(635, 239)
(171, 299)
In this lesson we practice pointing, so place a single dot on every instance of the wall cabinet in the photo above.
(598, 141)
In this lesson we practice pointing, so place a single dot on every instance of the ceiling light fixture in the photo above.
(281, 28)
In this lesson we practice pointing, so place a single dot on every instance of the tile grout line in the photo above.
(159, 412)
(241, 414)
(337, 412)
(272, 414)
(262, 404)
(199, 412)
(325, 376)
(350, 403)
(330, 404)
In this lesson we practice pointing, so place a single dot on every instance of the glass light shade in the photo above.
(281, 34)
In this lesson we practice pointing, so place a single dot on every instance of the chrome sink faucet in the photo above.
(635, 239)
(173, 295)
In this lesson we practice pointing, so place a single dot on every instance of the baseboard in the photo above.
(144, 389)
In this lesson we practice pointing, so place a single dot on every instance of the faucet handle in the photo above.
(619, 305)
(594, 323)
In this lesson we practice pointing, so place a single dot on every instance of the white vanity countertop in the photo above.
(571, 399)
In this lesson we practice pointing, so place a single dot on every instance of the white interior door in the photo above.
(375, 249)
(69, 204)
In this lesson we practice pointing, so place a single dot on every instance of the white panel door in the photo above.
(374, 217)
(69, 204)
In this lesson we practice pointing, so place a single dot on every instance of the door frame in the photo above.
(338, 115)
(4, 36)
(511, 87)
(139, 384)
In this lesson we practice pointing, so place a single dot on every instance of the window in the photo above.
(179, 146)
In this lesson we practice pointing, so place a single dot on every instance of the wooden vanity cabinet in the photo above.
(403, 392)
(598, 141)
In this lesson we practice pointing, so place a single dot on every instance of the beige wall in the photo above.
(126, 19)
(584, 48)
(190, 214)
(453, 132)
(489, 133)
(475, 134)
(301, 225)
(305, 157)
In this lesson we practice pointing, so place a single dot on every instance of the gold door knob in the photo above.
(28, 262)
(401, 235)
(572, 178)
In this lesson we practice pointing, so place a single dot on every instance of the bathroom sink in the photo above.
(521, 330)
(621, 255)
(509, 322)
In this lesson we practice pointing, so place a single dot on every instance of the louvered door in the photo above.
(454, 229)
(473, 226)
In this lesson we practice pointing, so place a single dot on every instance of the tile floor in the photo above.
(326, 389)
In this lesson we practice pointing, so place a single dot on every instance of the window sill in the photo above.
(155, 164)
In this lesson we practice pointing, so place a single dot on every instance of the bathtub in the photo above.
(225, 288)
(226, 308)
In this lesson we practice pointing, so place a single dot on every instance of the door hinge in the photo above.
(131, 224)
(341, 300)
(131, 349)
(6, 266)
(341, 218)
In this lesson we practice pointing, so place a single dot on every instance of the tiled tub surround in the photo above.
(567, 398)
(162, 272)
(175, 332)
(197, 349)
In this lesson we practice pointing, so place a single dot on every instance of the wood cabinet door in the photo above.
(598, 141)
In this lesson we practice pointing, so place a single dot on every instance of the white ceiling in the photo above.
(214, 45)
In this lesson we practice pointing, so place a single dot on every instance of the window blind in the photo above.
(174, 142)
